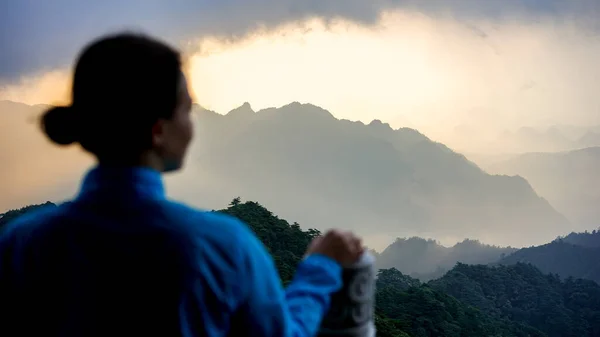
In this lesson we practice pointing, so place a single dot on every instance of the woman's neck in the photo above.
(148, 160)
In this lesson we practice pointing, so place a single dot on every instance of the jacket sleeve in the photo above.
(269, 310)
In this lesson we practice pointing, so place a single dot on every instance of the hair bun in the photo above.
(59, 125)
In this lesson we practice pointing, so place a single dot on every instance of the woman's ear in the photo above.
(158, 133)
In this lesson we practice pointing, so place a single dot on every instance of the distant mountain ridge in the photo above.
(576, 255)
(354, 175)
(555, 138)
(568, 180)
(370, 178)
(427, 259)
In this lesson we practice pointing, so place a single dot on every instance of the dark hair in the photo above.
(122, 85)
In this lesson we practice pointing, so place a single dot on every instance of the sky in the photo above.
(440, 66)
(460, 71)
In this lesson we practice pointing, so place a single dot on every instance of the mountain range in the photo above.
(576, 255)
(382, 183)
(369, 178)
(555, 138)
(428, 259)
(568, 180)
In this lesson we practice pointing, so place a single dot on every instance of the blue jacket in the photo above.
(122, 259)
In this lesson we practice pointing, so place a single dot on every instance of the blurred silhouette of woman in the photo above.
(123, 260)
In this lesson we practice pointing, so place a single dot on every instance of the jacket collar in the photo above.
(137, 182)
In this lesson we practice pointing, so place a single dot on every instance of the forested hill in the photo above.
(286, 243)
(405, 307)
(575, 255)
(521, 293)
(585, 239)
(469, 301)
(561, 258)
(15, 213)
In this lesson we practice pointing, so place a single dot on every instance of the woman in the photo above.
(122, 259)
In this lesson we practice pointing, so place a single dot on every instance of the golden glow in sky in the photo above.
(409, 70)
(346, 68)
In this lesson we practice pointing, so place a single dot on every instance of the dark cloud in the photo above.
(36, 35)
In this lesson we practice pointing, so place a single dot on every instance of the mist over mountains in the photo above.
(568, 180)
(428, 259)
(380, 182)
(487, 143)
(369, 178)
(576, 255)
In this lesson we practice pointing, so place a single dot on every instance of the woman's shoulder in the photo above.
(29, 218)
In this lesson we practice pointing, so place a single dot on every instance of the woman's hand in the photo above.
(343, 247)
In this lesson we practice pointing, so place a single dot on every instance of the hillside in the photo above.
(568, 180)
(427, 259)
(404, 304)
(562, 258)
(574, 255)
(521, 293)
(585, 239)
(369, 178)
(10, 215)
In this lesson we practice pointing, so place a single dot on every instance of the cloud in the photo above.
(40, 35)
(438, 73)
(49, 88)
(462, 72)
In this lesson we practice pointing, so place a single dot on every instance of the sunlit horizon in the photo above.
(409, 70)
